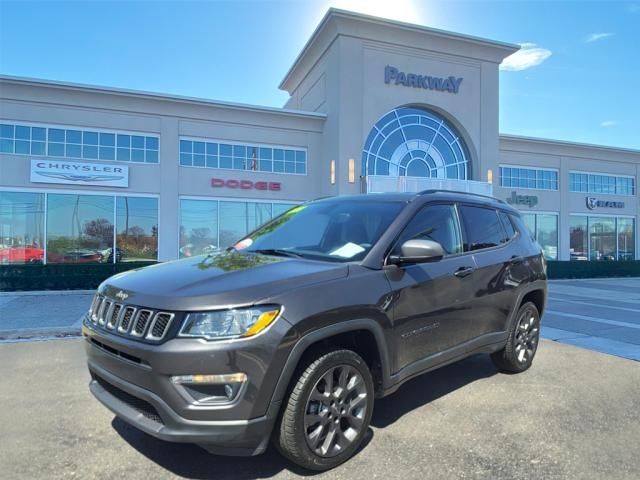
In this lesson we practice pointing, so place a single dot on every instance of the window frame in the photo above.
(394, 244)
(82, 129)
(494, 209)
(256, 145)
(598, 178)
(534, 169)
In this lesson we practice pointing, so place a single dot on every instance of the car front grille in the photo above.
(129, 320)
(141, 406)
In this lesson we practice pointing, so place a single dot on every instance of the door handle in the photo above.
(516, 259)
(463, 272)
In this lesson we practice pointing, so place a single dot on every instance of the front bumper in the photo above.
(132, 379)
(156, 418)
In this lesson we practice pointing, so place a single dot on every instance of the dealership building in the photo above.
(95, 174)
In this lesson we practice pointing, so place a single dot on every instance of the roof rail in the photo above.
(437, 190)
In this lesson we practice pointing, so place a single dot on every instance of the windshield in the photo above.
(340, 230)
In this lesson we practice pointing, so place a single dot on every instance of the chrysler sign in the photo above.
(593, 203)
(75, 173)
(449, 84)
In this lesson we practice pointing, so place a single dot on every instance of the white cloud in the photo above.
(608, 123)
(594, 37)
(528, 56)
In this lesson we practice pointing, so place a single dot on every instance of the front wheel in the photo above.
(522, 343)
(328, 411)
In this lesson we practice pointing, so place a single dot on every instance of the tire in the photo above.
(522, 343)
(323, 425)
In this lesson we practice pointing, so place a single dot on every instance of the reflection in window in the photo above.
(482, 228)
(208, 226)
(136, 230)
(437, 223)
(605, 184)
(578, 238)
(239, 218)
(21, 227)
(79, 228)
(534, 178)
(626, 239)
(77, 143)
(602, 238)
(259, 158)
(198, 227)
(544, 229)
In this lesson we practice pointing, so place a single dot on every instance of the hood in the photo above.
(215, 281)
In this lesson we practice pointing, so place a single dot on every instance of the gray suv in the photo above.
(292, 333)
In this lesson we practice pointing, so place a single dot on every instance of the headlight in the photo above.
(241, 322)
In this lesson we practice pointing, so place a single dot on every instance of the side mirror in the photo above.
(418, 251)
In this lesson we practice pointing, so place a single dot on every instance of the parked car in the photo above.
(290, 335)
(107, 255)
(21, 254)
(76, 256)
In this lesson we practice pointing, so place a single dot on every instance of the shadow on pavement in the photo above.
(191, 461)
(431, 386)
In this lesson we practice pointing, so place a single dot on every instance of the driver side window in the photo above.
(438, 223)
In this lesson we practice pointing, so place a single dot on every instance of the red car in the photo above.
(22, 254)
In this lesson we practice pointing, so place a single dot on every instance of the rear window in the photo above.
(482, 228)
(509, 231)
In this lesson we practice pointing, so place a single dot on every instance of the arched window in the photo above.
(414, 142)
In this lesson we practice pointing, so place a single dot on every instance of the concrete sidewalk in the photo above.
(25, 315)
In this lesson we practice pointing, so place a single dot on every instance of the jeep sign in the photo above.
(528, 200)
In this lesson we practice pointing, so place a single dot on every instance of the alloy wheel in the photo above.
(527, 336)
(335, 411)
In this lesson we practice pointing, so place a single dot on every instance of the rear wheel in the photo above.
(328, 411)
(522, 343)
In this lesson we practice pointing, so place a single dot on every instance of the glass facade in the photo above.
(601, 238)
(544, 229)
(260, 158)
(209, 225)
(21, 227)
(77, 228)
(414, 142)
(533, 178)
(603, 184)
(78, 143)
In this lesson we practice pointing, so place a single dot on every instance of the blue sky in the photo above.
(577, 79)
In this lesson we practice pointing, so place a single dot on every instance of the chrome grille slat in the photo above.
(114, 315)
(141, 323)
(127, 317)
(129, 320)
(104, 311)
(160, 325)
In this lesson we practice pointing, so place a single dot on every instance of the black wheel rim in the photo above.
(527, 335)
(335, 411)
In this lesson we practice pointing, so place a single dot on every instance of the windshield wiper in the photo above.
(277, 251)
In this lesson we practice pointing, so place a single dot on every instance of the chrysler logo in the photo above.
(81, 178)
(592, 202)
(121, 295)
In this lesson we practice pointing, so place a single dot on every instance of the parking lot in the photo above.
(572, 415)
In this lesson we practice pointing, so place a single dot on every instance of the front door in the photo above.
(432, 301)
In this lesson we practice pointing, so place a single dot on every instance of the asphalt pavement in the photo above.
(574, 414)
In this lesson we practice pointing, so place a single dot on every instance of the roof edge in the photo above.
(567, 143)
(338, 12)
(156, 96)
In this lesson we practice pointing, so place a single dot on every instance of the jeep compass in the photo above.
(290, 334)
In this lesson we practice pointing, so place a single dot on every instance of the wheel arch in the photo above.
(339, 335)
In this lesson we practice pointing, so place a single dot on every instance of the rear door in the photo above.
(490, 239)
(432, 300)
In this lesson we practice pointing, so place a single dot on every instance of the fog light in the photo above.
(206, 389)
